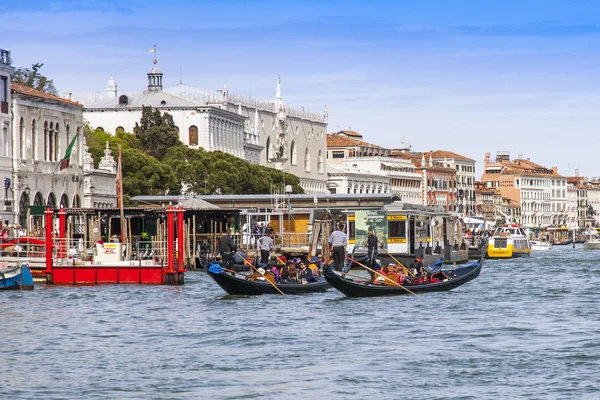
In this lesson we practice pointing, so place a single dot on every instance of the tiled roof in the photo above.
(351, 134)
(27, 91)
(441, 154)
(341, 141)
(402, 154)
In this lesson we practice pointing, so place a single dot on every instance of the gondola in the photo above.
(241, 286)
(455, 277)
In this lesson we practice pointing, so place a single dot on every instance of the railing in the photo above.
(74, 252)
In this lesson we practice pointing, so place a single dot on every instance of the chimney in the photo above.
(486, 161)
(555, 170)
(67, 95)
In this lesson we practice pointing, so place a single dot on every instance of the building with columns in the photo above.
(6, 167)
(268, 133)
(44, 126)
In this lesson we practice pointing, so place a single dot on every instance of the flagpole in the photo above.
(120, 189)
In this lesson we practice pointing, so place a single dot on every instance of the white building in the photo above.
(44, 126)
(6, 71)
(264, 132)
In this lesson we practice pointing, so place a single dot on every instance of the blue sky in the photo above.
(468, 76)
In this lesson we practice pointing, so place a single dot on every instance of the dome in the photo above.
(155, 70)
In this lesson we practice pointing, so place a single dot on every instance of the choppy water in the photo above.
(523, 329)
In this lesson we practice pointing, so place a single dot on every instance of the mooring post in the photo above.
(170, 245)
(62, 228)
(49, 228)
(180, 242)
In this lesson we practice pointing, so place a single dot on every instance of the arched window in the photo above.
(34, 139)
(64, 201)
(123, 100)
(268, 149)
(293, 156)
(23, 208)
(56, 149)
(50, 142)
(51, 201)
(306, 160)
(101, 129)
(119, 129)
(193, 139)
(76, 201)
(68, 135)
(320, 162)
(45, 140)
(5, 141)
(21, 139)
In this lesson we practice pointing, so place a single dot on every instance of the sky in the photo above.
(468, 76)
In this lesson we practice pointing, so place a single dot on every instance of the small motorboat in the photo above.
(592, 244)
(537, 245)
(238, 284)
(439, 279)
(16, 277)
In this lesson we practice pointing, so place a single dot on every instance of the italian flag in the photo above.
(64, 162)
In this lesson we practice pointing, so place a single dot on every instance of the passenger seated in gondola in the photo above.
(261, 274)
(306, 274)
(315, 265)
(285, 274)
(275, 272)
(419, 266)
(293, 269)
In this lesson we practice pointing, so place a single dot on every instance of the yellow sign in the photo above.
(396, 240)
(351, 218)
(396, 217)
(351, 241)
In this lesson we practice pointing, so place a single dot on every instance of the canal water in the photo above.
(526, 329)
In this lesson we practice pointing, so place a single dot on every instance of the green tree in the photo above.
(34, 79)
(156, 133)
(142, 173)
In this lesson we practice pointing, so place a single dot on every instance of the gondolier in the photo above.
(227, 248)
(371, 243)
(265, 245)
(338, 242)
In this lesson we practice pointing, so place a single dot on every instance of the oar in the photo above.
(279, 259)
(252, 266)
(352, 275)
(398, 262)
(380, 274)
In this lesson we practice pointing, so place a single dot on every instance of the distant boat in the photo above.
(17, 277)
(592, 244)
(509, 241)
(537, 245)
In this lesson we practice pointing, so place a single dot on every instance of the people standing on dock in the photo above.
(338, 242)
(226, 249)
(115, 239)
(265, 245)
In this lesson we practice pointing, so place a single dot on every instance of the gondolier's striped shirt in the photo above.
(338, 238)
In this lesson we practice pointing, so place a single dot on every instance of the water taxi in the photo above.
(537, 245)
(509, 241)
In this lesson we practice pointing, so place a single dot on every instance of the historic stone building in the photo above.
(6, 70)
(264, 132)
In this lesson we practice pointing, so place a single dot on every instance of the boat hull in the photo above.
(592, 245)
(16, 278)
(541, 246)
(507, 252)
(240, 286)
(352, 288)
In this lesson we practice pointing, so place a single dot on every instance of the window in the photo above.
(293, 156)
(45, 140)
(56, 143)
(337, 154)
(320, 162)
(306, 160)
(193, 139)
(397, 229)
(21, 139)
(268, 148)
(33, 139)
(4, 94)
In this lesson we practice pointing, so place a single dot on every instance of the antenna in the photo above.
(180, 80)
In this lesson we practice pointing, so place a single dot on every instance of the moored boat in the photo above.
(537, 245)
(445, 278)
(592, 244)
(509, 241)
(238, 284)
(16, 277)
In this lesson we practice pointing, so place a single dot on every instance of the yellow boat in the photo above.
(509, 241)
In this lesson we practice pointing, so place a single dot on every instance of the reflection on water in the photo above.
(525, 328)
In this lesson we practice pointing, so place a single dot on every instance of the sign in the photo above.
(371, 219)
(397, 217)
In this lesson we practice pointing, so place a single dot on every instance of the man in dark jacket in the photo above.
(371, 243)
(227, 248)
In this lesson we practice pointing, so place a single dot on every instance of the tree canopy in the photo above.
(32, 78)
(156, 162)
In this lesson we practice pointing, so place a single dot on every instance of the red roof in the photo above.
(27, 91)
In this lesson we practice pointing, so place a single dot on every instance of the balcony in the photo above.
(3, 107)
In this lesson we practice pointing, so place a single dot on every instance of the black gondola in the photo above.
(455, 278)
(241, 286)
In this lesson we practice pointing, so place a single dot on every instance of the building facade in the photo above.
(540, 192)
(268, 133)
(6, 70)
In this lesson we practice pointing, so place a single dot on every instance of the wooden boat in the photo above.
(562, 243)
(239, 285)
(455, 277)
(592, 244)
(16, 277)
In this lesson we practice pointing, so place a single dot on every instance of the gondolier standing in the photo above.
(338, 242)
(371, 243)
(226, 249)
